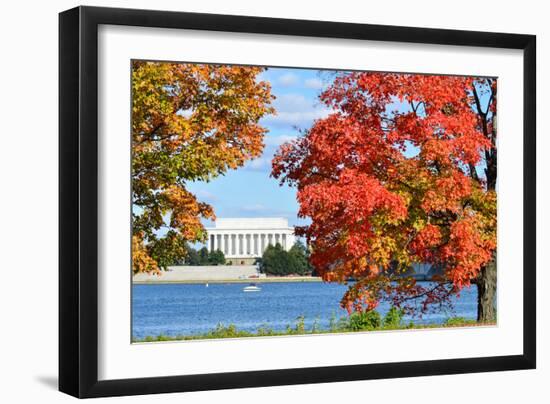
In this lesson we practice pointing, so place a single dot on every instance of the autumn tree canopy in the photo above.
(403, 171)
(190, 122)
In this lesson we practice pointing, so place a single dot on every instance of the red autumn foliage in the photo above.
(402, 172)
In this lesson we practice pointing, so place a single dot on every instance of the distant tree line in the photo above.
(274, 261)
(277, 261)
(203, 257)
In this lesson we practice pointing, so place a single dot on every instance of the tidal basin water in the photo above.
(188, 309)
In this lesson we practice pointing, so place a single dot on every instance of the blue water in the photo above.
(183, 309)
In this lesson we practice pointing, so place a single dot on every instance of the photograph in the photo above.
(286, 202)
(280, 201)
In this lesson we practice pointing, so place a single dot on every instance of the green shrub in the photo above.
(369, 320)
(393, 318)
(230, 331)
(300, 326)
(264, 330)
(315, 328)
(333, 323)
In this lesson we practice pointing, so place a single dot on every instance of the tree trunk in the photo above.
(486, 292)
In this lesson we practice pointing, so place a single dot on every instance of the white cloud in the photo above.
(278, 140)
(299, 119)
(205, 195)
(314, 83)
(259, 164)
(288, 79)
(292, 102)
(296, 110)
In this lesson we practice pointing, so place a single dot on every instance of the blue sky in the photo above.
(250, 191)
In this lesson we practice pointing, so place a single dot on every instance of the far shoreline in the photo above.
(278, 279)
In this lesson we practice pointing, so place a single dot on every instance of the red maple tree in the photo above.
(402, 172)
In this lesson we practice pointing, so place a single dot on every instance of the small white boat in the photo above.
(252, 288)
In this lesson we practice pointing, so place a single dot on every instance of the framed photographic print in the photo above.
(251, 201)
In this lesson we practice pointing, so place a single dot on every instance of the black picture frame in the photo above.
(78, 201)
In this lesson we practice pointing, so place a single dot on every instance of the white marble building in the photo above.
(244, 239)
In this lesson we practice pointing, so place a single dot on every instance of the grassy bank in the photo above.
(372, 321)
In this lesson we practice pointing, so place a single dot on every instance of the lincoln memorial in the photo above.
(242, 240)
